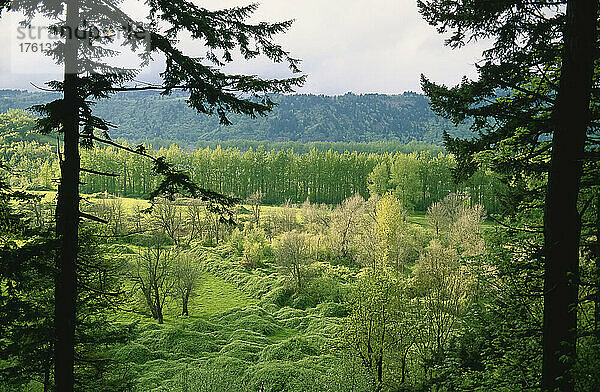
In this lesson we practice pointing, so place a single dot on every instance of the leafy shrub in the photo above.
(279, 296)
(305, 300)
(236, 241)
(134, 352)
(256, 248)
(279, 376)
(292, 349)
(331, 309)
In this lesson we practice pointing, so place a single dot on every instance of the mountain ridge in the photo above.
(146, 116)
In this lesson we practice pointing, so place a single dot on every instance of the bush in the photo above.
(236, 241)
(331, 309)
(134, 352)
(282, 376)
(279, 296)
(256, 248)
(292, 349)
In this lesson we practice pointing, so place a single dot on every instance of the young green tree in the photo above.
(186, 275)
(168, 216)
(404, 177)
(344, 225)
(254, 201)
(379, 327)
(315, 217)
(255, 247)
(153, 275)
(378, 179)
(441, 287)
(390, 221)
(293, 254)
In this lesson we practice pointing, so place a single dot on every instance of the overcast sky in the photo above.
(360, 46)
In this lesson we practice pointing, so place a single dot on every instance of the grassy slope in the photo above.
(236, 340)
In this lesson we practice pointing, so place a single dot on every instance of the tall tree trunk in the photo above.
(159, 316)
(404, 355)
(48, 368)
(561, 218)
(67, 216)
(597, 257)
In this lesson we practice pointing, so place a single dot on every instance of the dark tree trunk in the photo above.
(380, 372)
(159, 316)
(184, 311)
(158, 305)
(404, 355)
(48, 368)
(67, 216)
(561, 218)
(597, 257)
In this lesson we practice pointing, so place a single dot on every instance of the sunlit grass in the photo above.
(214, 295)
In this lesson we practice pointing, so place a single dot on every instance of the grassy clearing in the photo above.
(214, 295)
(419, 219)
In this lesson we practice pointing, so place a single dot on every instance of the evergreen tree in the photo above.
(531, 111)
(88, 77)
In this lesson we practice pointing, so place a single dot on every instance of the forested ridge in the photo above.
(150, 117)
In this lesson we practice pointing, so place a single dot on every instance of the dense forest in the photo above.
(419, 178)
(150, 117)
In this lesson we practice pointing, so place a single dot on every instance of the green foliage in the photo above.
(318, 175)
(255, 248)
(27, 258)
(18, 125)
(146, 116)
(378, 329)
(498, 343)
(378, 179)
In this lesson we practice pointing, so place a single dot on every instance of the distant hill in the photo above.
(148, 116)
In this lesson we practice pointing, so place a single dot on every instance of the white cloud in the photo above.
(361, 46)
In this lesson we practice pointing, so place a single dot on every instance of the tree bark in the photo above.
(185, 312)
(380, 371)
(404, 355)
(67, 214)
(561, 218)
(159, 316)
(597, 257)
(48, 368)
